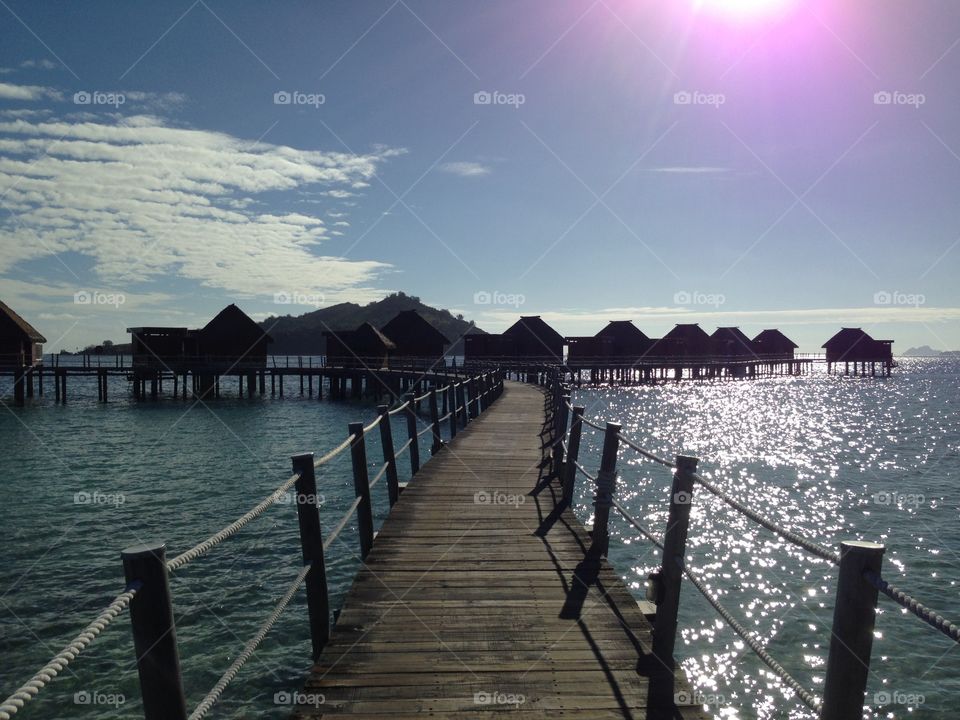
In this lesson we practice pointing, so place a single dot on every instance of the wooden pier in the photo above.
(480, 596)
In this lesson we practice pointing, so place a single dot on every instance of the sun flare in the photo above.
(742, 9)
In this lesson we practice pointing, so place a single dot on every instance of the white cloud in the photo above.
(42, 64)
(465, 169)
(144, 202)
(9, 91)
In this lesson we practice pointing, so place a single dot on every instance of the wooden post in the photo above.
(389, 456)
(361, 485)
(462, 403)
(154, 633)
(474, 403)
(674, 549)
(437, 444)
(311, 544)
(573, 452)
(451, 396)
(411, 416)
(560, 430)
(606, 486)
(19, 383)
(851, 639)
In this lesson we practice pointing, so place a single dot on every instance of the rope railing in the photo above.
(586, 474)
(206, 545)
(29, 690)
(324, 459)
(399, 408)
(808, 699)
(791, 537)
(427, 429)
(643, 530)
(213, 696)
(383, 470)
(403, 448)
(646, 453)
(328, 541)
(373, 424)
(932, 618)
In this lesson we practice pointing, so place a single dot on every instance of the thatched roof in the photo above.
(29, 332)
(411, 328)
(231, 320)
(774, 338)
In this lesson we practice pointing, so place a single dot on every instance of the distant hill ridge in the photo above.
(927, 351)
(303, 335)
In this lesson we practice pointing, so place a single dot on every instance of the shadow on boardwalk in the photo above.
(479, 596)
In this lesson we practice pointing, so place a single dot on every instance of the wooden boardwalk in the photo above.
(468, 602)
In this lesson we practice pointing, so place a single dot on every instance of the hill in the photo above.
(303, 335)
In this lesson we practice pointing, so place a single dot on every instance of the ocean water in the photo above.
(174, 471)
(832, 459)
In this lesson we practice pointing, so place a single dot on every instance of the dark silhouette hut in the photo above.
(684, 341)
(589, 348)
(233, 340)
(533, 339)
(730, 342)
(627, 341)
(20, 343)
(487, 346)
(774, 345)
(364, 347)
(163, 347)
(854, 345)
(415, 337)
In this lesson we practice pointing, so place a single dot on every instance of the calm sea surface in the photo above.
(828, 457)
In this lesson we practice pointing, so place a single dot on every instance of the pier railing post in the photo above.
(389, 456)
(560, 431)
(573, 454)
(851, 639)
(434, 423)
(154, 633)
(311, 545)
(452, 407)
(411, 416)
(671, 573)
(473, 403)
(462, 402)
(361, 485)
(606, 486)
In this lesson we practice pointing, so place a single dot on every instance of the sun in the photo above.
(742, 9)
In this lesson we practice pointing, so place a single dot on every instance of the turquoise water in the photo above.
(177, 472)
(833, 459)
(810, 452)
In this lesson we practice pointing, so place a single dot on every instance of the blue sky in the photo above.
(796, 166)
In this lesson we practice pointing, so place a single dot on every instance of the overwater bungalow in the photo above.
(20, 343)
(364, 347)
(487, 346)
(856, 350)
(774, 345)
(627, 341)
(414, 337)
(684, 341)
(533, 339)
(730, 342)
(589, 348)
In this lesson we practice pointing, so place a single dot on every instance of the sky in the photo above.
(759, 163)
